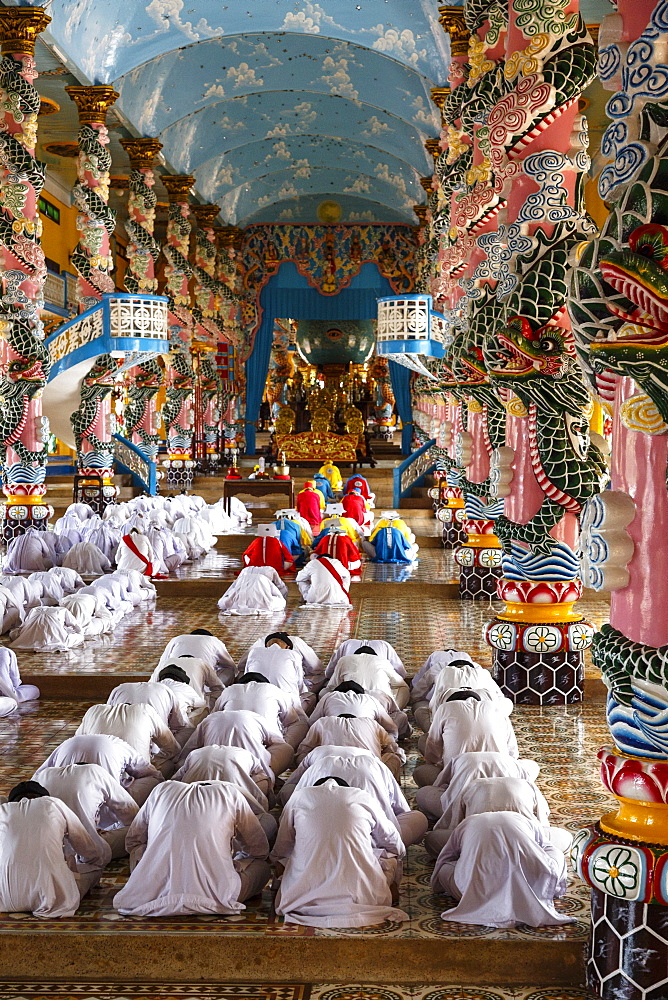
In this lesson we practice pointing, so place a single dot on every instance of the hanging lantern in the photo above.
(408, 329)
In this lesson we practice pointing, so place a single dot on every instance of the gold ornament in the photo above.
(93, 102)
(178, 186)
(639, 413)
(19, 28)
(479, 65)
(452, 22)
(515, 407)
(142, 152)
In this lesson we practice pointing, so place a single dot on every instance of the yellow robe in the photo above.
(331, 473)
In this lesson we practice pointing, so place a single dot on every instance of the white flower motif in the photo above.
(542, 639)
(502, 635)
(616, 870)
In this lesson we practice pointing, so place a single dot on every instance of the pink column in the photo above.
(143, 249)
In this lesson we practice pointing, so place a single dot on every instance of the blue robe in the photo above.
(290, 535)
(391, 547)
(323, 485)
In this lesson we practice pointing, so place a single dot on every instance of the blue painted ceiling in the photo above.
(273, 105)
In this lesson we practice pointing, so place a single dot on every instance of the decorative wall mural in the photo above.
(322, 342)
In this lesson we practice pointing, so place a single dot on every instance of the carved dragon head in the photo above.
(102, 374)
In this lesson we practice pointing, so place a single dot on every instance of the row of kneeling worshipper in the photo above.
(325, 563)
(183, 773)
(154, 535)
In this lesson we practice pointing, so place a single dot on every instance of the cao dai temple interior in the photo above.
(333, 437)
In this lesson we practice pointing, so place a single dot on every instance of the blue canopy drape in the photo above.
(288, 295)
(400, 377)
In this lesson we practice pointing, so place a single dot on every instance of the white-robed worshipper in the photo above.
(104, 536)
(458, 674)
(499, 794)
(195, 534)
(100, 802)
(373, 672)
(201, 674)
(360, 769)
(11, 685)
(443, 802)
(24, 589)
(87, 560)
(503, 870)
(253, 692)
(69, 579)
(311, 663)
(47, 630)
(242, 728)
(339, 833)
(135, 773)
(239, 767)
(135, 552)
(347, 731)
(160, 697)
(28, 553)
(40, 838)
(193, 704)
(50, 586)
(138, 586)
(138, 725)
(109, 589)
(283, 666)
(12, 607)
(258, 590)
(181, 845)
(422, 683)
(465, 723)
(203, 645)
(90, 619)
(324, 582)
(350, 698)
(379, 646)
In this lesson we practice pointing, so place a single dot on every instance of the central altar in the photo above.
(317, 446)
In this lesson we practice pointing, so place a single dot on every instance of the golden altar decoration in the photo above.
(317, 446)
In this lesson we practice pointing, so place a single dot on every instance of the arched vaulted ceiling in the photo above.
(273, 105)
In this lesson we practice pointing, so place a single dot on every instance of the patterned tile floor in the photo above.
(242, 991)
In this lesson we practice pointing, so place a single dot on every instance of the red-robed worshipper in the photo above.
(339, 546)
(310, 504)
(268, 550)
(354, 507)
(361, 484)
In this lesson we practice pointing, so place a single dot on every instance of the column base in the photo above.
(16, 518)
(628, 945)
(179, 479)
(540, 678)
(478, 583)
(98, 497)
(453, 535)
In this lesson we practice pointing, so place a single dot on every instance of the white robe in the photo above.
(329, 840)
(201, 674)
(466, 768)
(105, 537)
(361, 770)
(69, 578)
(374, 673)
(191, 701)
(11, 685)
(183, 833)
(138, 586)
(362, 706)
(195, 534)
(51, 587)
(319, 588)
(12, 608)
(383, 648)
(422, 684)
(138, 725)
(454, 678)
(27, 553)
(87, 560)
(272, 703)
(82, 607)
(209, 648)
(34, 874)
(239, 728)
(98, 800)
(47, 630)
(115, 755)
(311, 662)
(234, 764)
(465, 726)
(258, 590)
(503, 870)
(159, 696)
(282, 667)
(365, 733)
(126, 559)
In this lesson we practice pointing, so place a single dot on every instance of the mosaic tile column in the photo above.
(451, 511)
(93, 259)
(25, 360)
(617, 306)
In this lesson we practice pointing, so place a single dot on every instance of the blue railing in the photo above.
(130, 459)
(412, 471)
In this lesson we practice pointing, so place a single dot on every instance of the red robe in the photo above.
(354, 507)
(308, 507)
(341, 547)
(359, 483)
(268, 552)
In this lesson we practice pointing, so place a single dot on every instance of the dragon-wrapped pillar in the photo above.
(143, 249)
(619, 309)
(93, 259)
(536, 143)
(25, 360)
(177, 412)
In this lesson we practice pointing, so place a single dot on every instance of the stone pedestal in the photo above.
(479, 561)
(18, 514)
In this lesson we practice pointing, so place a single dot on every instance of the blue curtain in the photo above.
(400, 377)
(288, 295)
